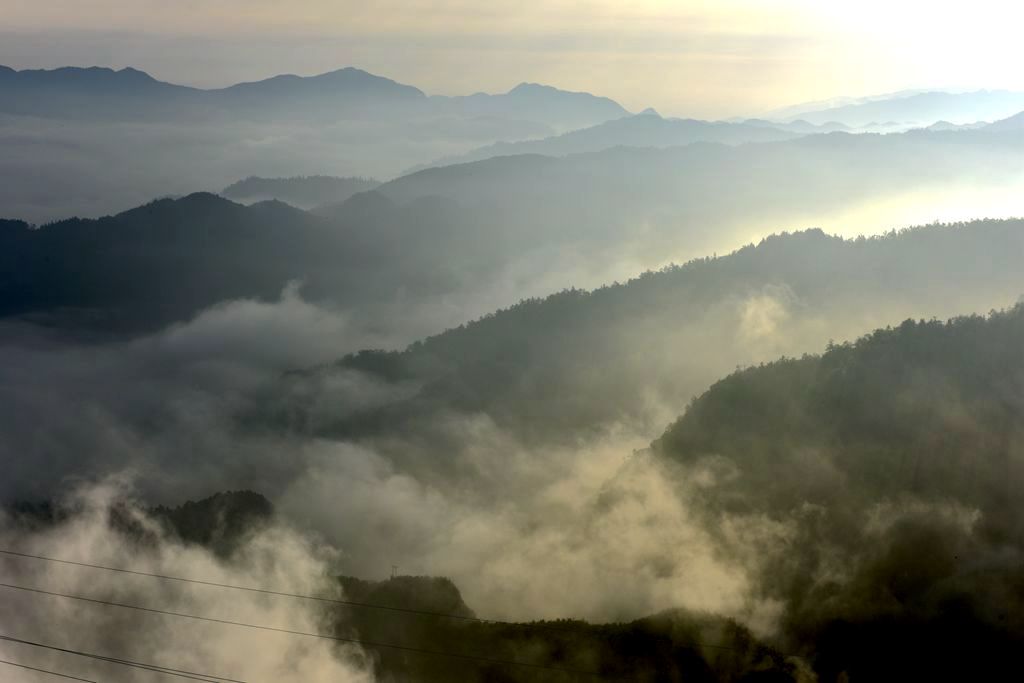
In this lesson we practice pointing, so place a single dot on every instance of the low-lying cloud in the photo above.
(275, 558)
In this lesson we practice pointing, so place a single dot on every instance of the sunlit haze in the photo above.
(714, 58)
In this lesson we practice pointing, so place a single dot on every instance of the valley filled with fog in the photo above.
(514, 386)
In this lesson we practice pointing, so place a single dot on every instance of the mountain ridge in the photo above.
(920, 108)
(347, 80)
(646, 129)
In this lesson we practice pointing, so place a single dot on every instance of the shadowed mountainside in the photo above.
(577, 361)
(486, 233)
(894, 461)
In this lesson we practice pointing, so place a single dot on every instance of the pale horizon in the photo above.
(499, 89)
(694, 59)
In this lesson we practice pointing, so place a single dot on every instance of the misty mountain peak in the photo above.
(346, 81)
(539, 91)
(351, 76)
(525, 88)
(195, 204)
(136, 74)
(207, 198)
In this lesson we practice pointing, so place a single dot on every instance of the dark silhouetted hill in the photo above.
(221, 522)
(160, 262)
(166, 261)
(672, 645)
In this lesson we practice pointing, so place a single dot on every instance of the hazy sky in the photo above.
(688, 57)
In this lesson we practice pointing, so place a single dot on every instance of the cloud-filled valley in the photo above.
(516, 386)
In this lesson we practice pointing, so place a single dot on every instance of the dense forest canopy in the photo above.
(571, 363)
(895, 460)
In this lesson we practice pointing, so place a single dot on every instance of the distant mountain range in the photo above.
(647, 129)
(482, 234)
(799, 126)
(912, 109)
(639, 181)
(93, 141)
(128, 94)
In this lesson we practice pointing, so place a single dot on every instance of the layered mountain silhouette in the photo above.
(632, 376)
(665, 336)
(650, 170)
(800, 126)
(464, 229)
(158, 139)
(647, 129)
(130, 94)
(917, 109)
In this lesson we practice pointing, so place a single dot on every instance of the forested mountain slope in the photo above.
(578, 360)
(166, 261)
(894, 460)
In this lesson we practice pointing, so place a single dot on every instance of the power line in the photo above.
(47, 672)
(264, 591)
(336, 601)
(180, 673)
(357, 641)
